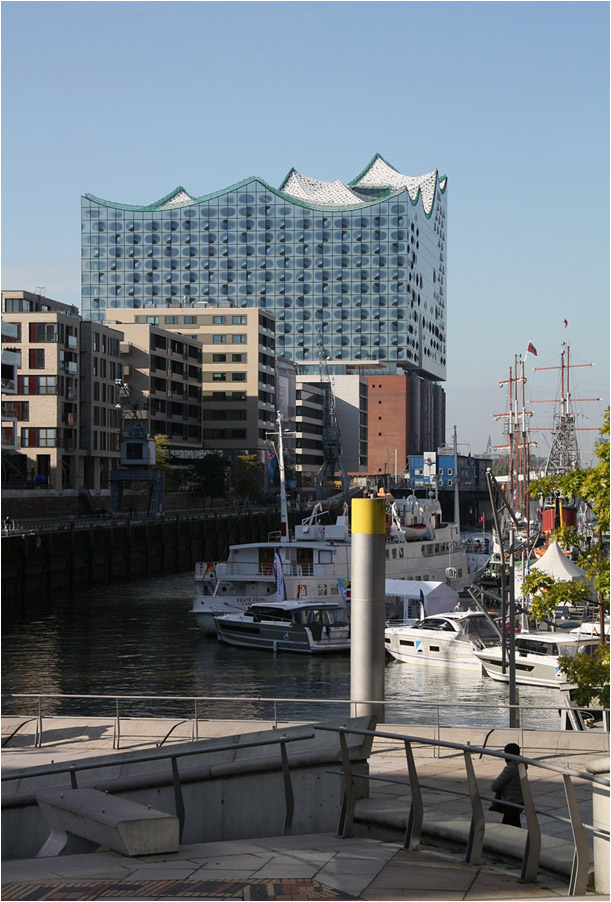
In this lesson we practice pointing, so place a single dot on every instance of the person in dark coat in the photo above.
(508, 785)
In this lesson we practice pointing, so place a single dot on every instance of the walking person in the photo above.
(507, 788)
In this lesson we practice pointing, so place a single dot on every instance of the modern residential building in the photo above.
(11, 333)
(237, 364)
(163, 371)
(45, 403)
(361, 264)
(101, 366)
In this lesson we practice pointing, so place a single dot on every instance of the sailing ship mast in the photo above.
(518, 438)
(563, 455)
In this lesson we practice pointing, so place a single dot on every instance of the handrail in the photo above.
(428, 706)
(282, 741)
(532, 850)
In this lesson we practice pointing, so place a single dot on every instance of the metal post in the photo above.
(288, 791)
(413, 830)
(38, 737)
(367, 653)
(346, 817)
(475, 842)
(117, 736)
(514, 717)
(178, 799)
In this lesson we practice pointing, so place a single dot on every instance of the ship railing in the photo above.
(174, 757)
(205, 708)
(532, 847)
(255, 569)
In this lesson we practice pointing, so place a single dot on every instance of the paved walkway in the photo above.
(320, 866)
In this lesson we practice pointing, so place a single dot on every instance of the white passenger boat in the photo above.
(536, 658)
(295, 626)
(313, 562)
(446, 640)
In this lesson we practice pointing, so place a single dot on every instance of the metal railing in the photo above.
(121, 702)
(282, 740)
(532, 849)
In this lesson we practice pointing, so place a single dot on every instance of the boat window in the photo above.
(532, 646)
(436, 625)
(401, 552)
(272, 614)
(322, 589)
(333, 590)
(325, 557)
(334, 617)
(480, 628)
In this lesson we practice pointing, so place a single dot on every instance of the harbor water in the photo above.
(139, 639)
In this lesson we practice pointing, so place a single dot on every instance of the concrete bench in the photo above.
(105, 820)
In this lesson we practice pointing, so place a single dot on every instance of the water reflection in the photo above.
(140, 639)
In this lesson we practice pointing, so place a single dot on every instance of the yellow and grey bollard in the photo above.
(367, 609)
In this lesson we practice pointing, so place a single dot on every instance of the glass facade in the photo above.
(369, 276)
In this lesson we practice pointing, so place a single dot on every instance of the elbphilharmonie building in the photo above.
(360, 264)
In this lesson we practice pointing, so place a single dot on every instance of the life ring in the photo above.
(478, 547)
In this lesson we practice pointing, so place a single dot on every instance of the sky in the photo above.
(510, 100)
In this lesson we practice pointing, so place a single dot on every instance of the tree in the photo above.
(163, 461)
(589, 673)
(547, 593)
(208, 476)
(248, 477)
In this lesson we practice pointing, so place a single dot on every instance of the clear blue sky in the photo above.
(509, 100)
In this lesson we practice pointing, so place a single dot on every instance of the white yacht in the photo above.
(536, 658)
(296, 626)
(443, 640)
(313, 562)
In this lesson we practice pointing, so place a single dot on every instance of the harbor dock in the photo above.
(371, 864)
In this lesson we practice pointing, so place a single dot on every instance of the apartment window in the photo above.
(219, 320)
(43, 332)
(219, 377)
(20, 410)
(238, 377)
(170, 320)
(37, 359)
(238, 320)
(47, 385)
(238, 339)
(191, 321)
(96, 341)
(238, 358)
(96, 416)
(152, 320)
(39, 438)
(96, 391)
(219, 358)
(219, 339)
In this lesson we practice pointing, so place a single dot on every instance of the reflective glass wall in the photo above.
(371, 279)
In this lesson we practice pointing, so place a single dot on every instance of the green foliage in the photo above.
(208, 476)
(248, 477)
(590, 673)
(546, 594)
(163, 461)
(592, 485)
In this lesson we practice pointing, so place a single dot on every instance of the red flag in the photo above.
(531, 349)
(566, 322)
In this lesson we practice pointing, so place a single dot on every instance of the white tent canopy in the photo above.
(559, 566)
(436, 597)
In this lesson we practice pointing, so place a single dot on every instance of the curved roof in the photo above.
(315, 194)
(380, 174)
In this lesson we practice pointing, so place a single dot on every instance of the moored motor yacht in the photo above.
(536, 658)
(446, 640)
(295, 626)
(313, 562)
